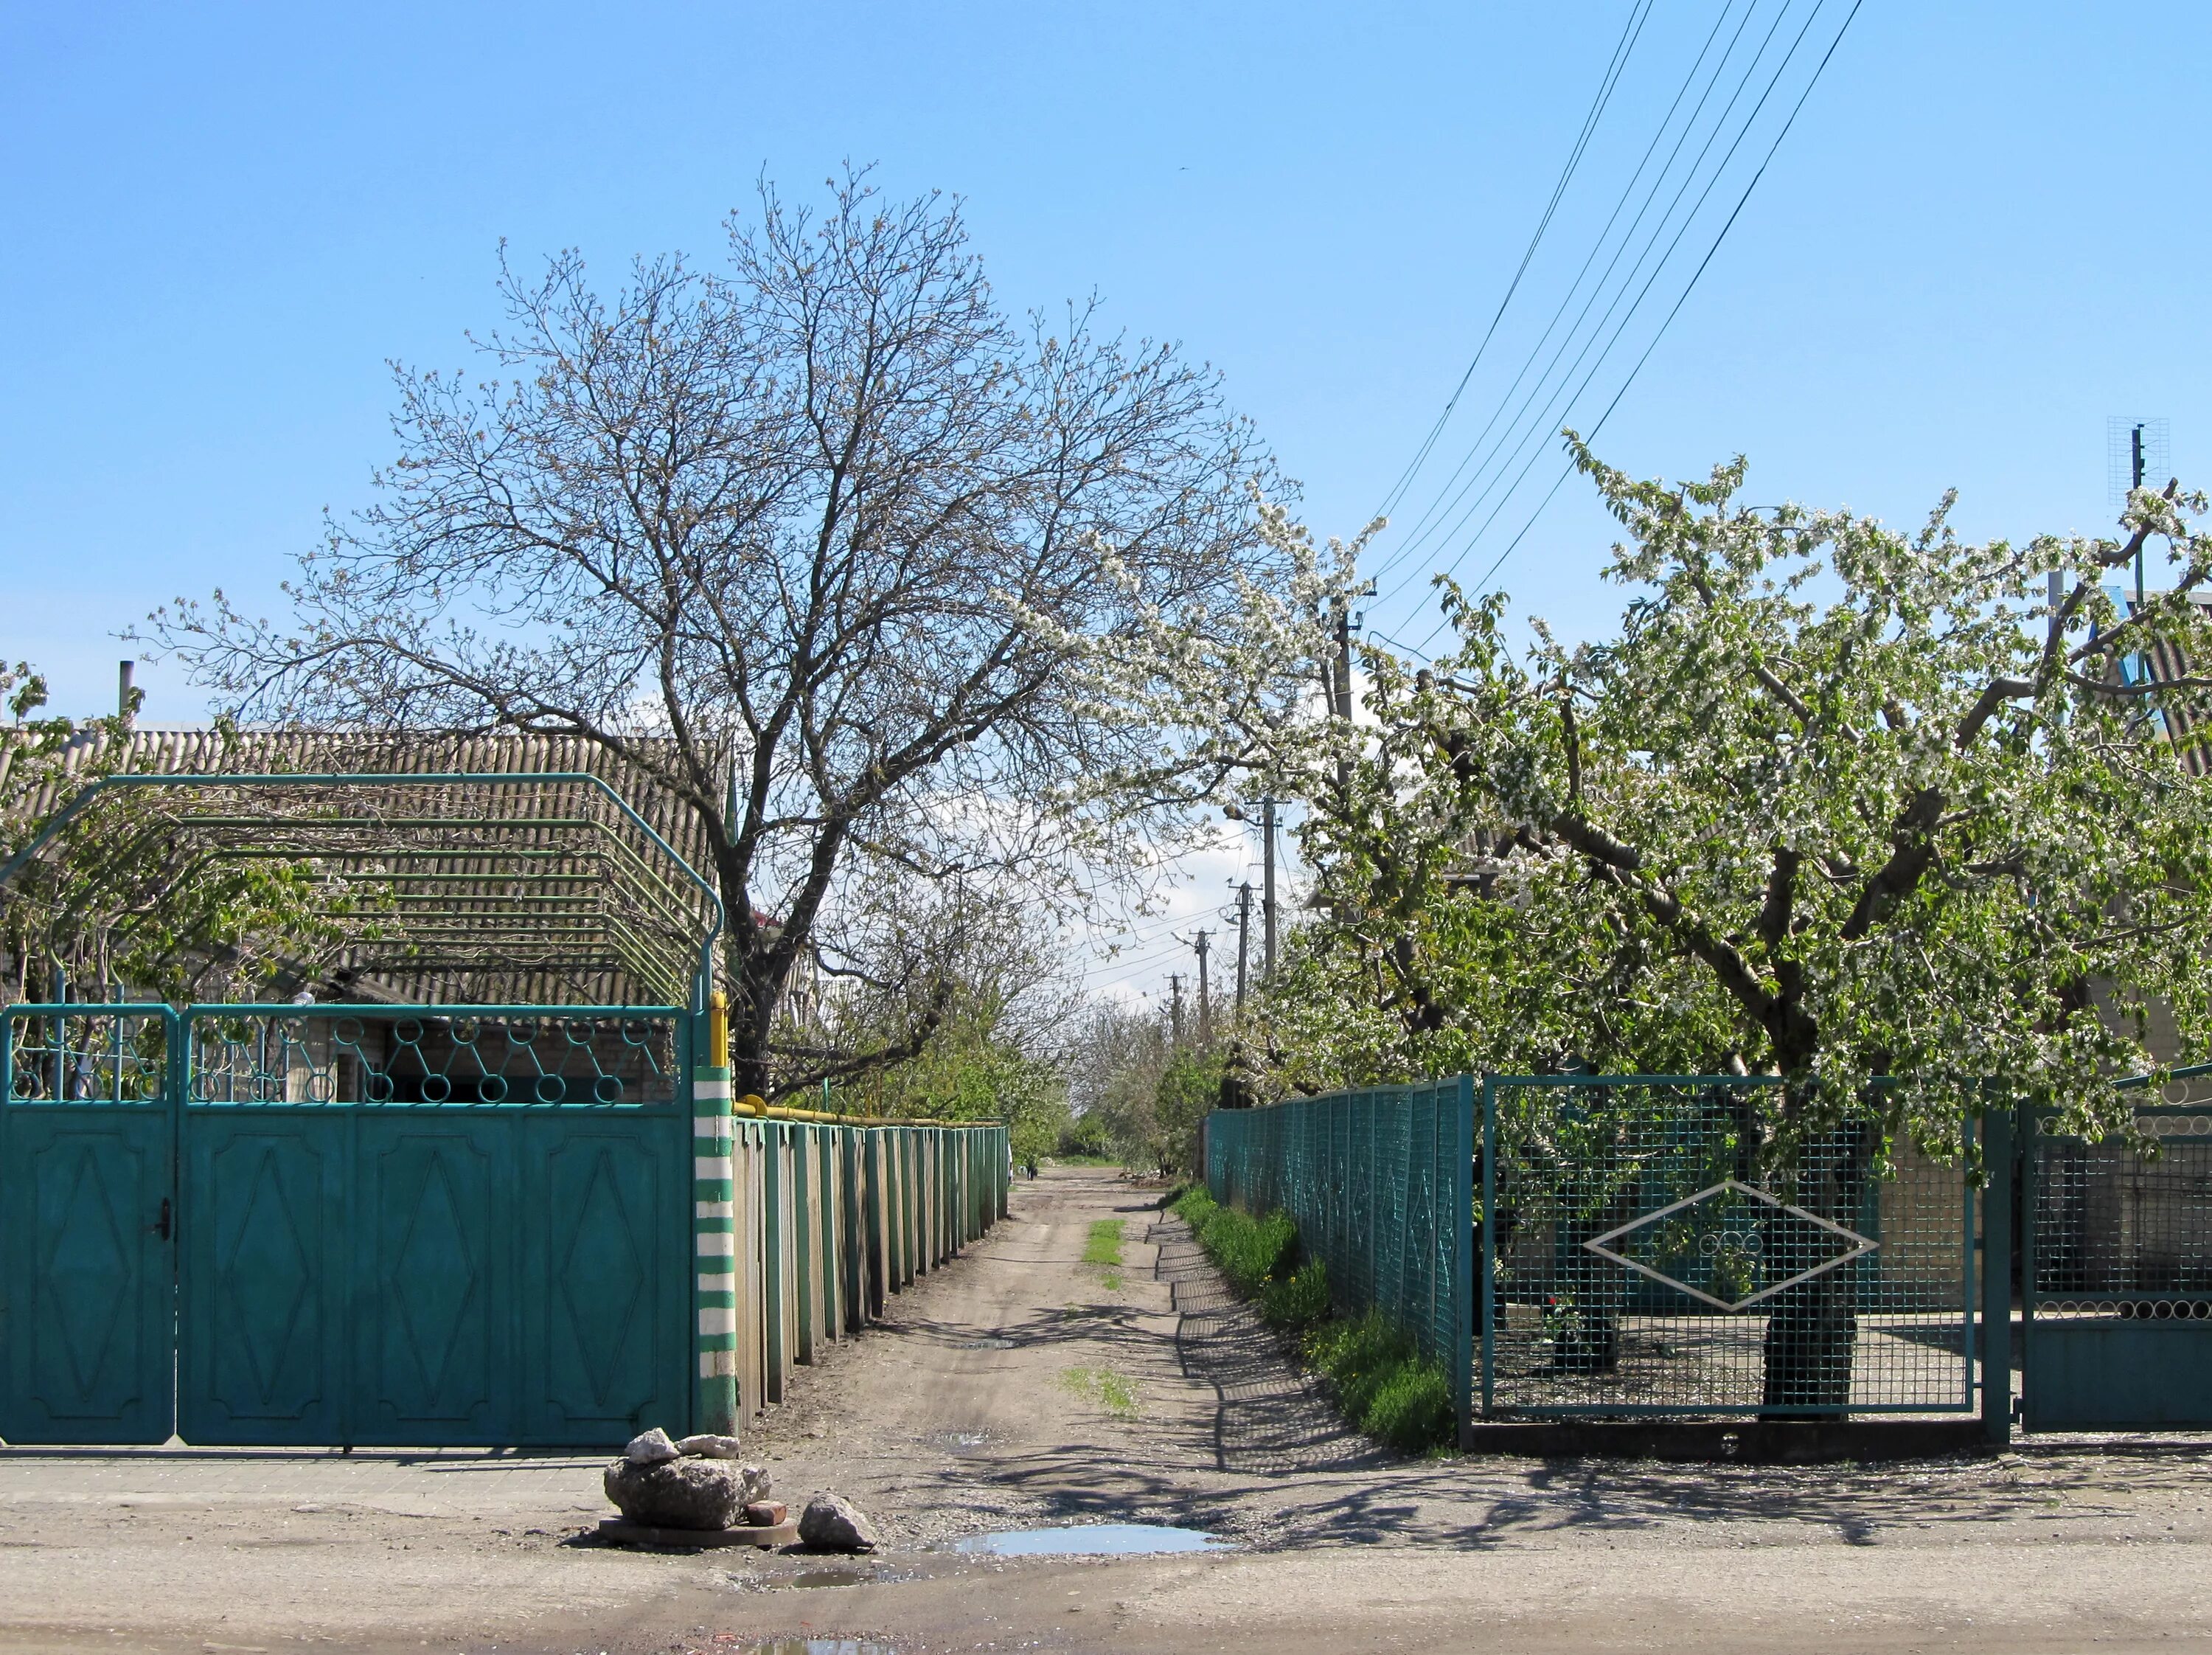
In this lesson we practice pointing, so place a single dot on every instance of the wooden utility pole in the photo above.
(1340, 688)
(1267, 886)
(1243, 938)
(1205, 1002)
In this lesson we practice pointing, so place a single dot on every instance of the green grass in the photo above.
(1105, 1245)
(1112, 1391)
(1249, 1252)
(1383, 1384)
(1112, 1282)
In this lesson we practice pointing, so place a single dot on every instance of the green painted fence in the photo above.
(425, 1226)
(833, 1220)
(1380, 1184)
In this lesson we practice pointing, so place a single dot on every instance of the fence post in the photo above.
(1465, 1281)
(1485, 1266)
(1999, 1161)
(713, 1197)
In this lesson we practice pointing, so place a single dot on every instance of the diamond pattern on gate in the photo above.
(266, 1277)
(1729, 1233)
(88, 1271)
(603, 1279)
(437, 1278)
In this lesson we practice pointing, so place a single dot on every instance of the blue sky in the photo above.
(1986, 235)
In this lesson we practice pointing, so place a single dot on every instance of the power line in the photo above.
(1520, 431)
(1626, 43)
(1446, 500)
(1561, 400)
(1819, 69)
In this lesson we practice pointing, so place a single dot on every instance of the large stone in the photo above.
(831, 1522)
(689, 1493)
(708, 1447)
(650, 1448)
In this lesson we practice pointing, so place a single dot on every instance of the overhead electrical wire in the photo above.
(1560, 402)
(1446, 499)
(1632, 28)
(1819, 69)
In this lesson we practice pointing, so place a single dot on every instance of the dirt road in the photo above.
(1020, 1387)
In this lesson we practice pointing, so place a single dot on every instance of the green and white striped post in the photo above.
(715, 1226)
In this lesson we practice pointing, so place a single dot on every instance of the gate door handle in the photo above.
(161, 1224)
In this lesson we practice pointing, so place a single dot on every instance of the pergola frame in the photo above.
(561, 888)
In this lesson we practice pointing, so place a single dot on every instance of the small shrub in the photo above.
(1383, 1384)
(1411, 1409)
(1248, 1251)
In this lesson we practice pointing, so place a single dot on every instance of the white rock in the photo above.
(708, 1447)
(651, 1448)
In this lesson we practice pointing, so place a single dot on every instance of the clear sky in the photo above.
(1984, 234)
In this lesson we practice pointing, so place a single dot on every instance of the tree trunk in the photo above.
(752, 1021)
(1812, 1329)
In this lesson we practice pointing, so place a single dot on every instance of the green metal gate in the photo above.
(1642, 1261)
(2117, 1270)
(88, 1226)
(366, 1225)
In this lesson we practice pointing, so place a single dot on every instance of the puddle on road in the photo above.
(960, 1442)
(818, 1578)
(822, 1646)
(1093, 1540)
(986, 1344)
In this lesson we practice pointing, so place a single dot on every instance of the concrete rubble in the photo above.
(661, 1484)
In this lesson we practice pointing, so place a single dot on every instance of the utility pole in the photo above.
(1205, 1003)
(1267, 886)
(1340, 690)
(1244, 937)
(126, 707)
(1174, 1007)
(2135, 471)
(1343, 661)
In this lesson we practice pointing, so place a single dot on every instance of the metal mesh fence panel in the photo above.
(1379, 1183)
(1645, 1257)
(2125, 1231)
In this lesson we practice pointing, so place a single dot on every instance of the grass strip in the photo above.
(1383, 1384)
(1112, 1391)
(1103, 1245)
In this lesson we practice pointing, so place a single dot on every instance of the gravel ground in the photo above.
(1018, 1387)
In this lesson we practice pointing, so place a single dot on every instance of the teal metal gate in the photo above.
(1640, 1261)
(2117, 1270)
(358, 1225)
(88, 1226)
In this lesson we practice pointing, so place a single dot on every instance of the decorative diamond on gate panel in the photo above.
(1742, 1243)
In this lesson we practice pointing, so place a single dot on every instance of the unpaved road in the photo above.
(1020, 1387)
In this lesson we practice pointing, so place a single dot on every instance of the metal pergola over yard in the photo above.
(456, 886)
